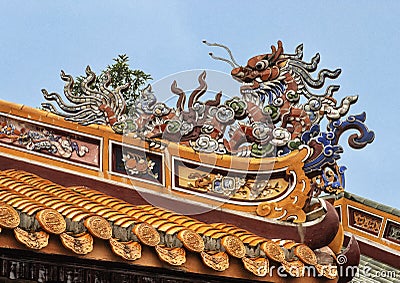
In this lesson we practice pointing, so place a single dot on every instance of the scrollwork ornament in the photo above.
(265, 208)
(238, 105)
(278, 102)
(127, 250)
(295, 268)
(205, 143)
(280, 136)
(224, 114)
(258, 266)
(261, 131)
(160, 109)
(186, 128)
(174, 256)
(33, 240)
(199, 107)
(218, 261)
(173, 126)
(314, 104)
(80, 244)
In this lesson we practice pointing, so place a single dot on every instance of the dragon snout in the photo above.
(243, 74)
(238, 72)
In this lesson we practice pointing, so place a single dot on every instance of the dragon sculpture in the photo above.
(96, 106)
(277, 112)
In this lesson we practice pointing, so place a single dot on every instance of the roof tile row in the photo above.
(35, 207)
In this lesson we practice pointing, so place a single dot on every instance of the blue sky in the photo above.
(39, 38)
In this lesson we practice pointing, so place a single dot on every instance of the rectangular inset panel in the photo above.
(392, 232)
(234, 186)
(136, 162)
(364, 221)
(50, 141)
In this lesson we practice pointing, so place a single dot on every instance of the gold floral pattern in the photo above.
(51, 221)
(273, 251)
(191, 240)
(98, 227)
(146, 234)
(9, 217)
(234, 246)
(305, 254)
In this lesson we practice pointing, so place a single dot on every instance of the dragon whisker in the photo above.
(222, 59)
(233, 61)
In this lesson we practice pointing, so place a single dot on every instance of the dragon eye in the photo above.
(261, 65)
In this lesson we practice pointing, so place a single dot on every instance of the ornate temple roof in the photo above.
(260, 161)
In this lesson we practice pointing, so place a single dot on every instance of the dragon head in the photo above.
(262, 76)
(261, 69)
(276, 73)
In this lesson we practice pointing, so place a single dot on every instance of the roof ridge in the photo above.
(372, 204)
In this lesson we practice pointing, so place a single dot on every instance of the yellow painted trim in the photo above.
(337, 243)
